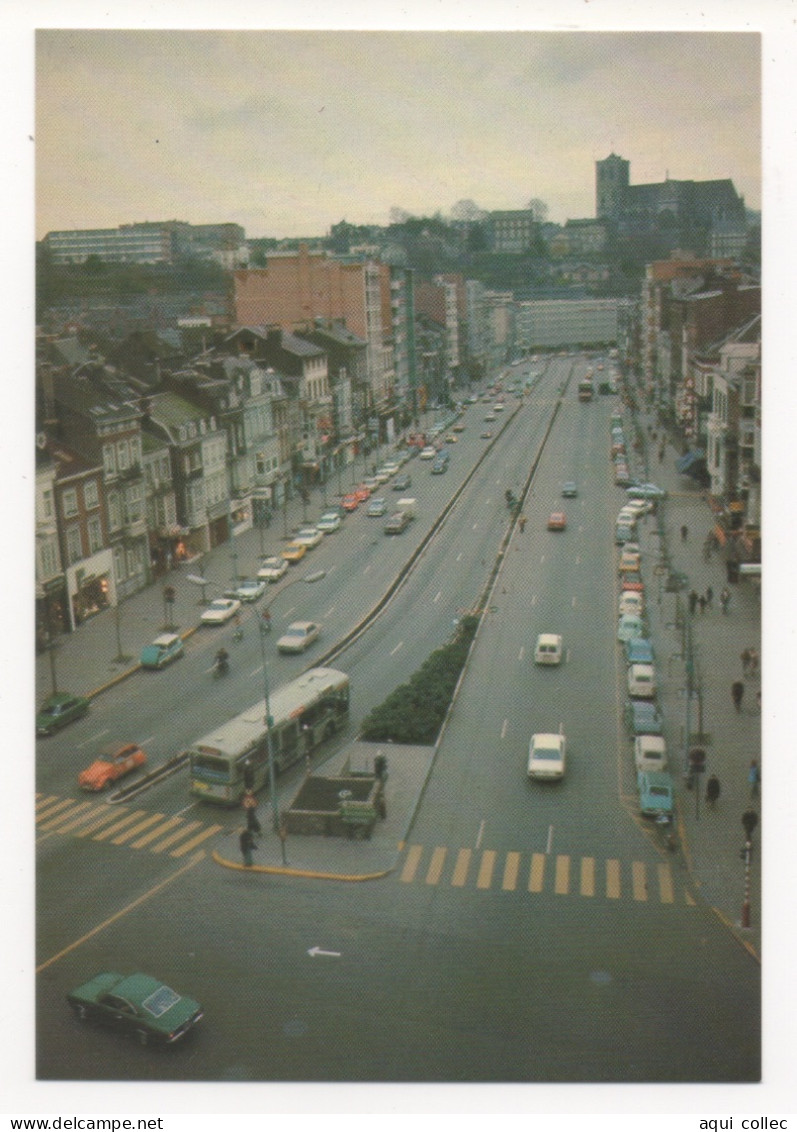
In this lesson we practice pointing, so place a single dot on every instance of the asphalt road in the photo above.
(531, 933)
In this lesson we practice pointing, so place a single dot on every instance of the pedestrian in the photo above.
(248, 843)
(752, 654)
(725, 599)
(737, 694)
(702, 603)
(522, 523)
(692, 601)
(745, 659)
(709, 597)
(684, 533)
(712, 791)
(754, 778)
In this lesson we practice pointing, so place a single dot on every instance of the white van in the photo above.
(549, 649)
(650, 752)
(641, 681)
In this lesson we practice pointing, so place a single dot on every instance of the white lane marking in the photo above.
(549, 846)
(522, 652)
(396, 649)
(503, 728)
(314, 951)
(329, 611)
(93, 738)
(480, 834)
(573, 602)
(437, 596)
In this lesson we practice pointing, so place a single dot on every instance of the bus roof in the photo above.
(237, 735)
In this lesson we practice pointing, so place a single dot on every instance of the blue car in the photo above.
(655, 793)
(164, 649)
(639, 650)
(642, 718)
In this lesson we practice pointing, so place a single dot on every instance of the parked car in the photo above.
(548, 649)
(557, 521)
(569, 490)
(351, 502)
(645, 491)
(309, 536)
(485, 434)
(139, 1004)
(547, 756)
(428, 453)
(650, 752)
(58, 710)
(402, 482)
(294, 552)
(642, 681)
(220, 611)
(490, 417)
(655, 793)
(362, 492)
(630, 602)
(272, 569)
(622, 476)
(440, 466)
(629, 560)
(377, 507)
(248, 589)
(642, 718)
(330, 521)
(371, 484)
(298, 636)
(114, 764)
(638, 651)
(163, 650)
(629, 626)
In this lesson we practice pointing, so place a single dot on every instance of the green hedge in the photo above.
(415, 711)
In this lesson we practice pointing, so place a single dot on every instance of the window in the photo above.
(95, 535)
(114, 511)
(69, 503)
(133, 504)
(119, 564)
(74, 546)
(49, 559)
(109, 459)
(91, 495)
(123, 455)
(47, 503)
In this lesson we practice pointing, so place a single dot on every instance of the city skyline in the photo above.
(209, 141)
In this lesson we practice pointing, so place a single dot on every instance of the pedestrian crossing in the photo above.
(119, 825)
(559, 874)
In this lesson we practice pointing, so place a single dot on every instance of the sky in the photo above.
(287, 132)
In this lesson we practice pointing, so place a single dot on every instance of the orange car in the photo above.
(115, 763)
(350, 502)
(557, 521)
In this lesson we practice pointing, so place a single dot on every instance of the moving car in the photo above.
(547, 754)
(557, 521)
(114, 764)
(163, 650)
(485, 434)
(440, 466)
(298, 636)
(429, 452)
(377, 507)
(642, 681)
(58, 710)
(642, 718)
(330, 521)
(309, 536)
(655, 793)
(248, 589)
(136, 1003)
(638, 651)
(350, 502)
(397, 523)
(402, 482)
(548, 649)
(650, 752)
(220, 611)
(489, 418)
(569, 490)
(272, 569)
(294, 552)
(362, 493)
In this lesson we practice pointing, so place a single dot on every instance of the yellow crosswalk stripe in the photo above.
(200, 837)
(666, 894)
(48, 813)
(613, 879)
(136, 829)
(485, 877)
(587, 876)
(511, 868)
(460, 874)
(436, 865)
(119, 825)
(537, 874)
(42, 802)
(562, 875)
(154, 834)
(411, 864)
(100, 820)
(639, 885)
(173, 837)
(55, 823)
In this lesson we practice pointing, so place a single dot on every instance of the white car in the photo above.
(645, 491)
(631, 602)
(329, 522)
(642, 681)
(377, 507)
(272, 569)
(308, 536)
(382, 475)
(298, 636)
(249, 589)
(428, 453)
(547, 754)
(548, 649)
(220, 611)
(650, 752)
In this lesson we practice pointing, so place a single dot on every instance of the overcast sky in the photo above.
(289, 132)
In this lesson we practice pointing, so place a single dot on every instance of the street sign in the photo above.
(697, 760)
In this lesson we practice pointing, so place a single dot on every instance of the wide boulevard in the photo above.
(530, 932)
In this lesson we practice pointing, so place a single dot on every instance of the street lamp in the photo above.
(264, 626)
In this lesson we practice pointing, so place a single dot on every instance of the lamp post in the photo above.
(264, 627)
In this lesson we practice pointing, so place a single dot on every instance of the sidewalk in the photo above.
(712, 839)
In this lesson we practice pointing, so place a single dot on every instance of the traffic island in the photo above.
(346, 805)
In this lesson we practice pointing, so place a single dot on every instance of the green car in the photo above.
(137, 1003)
(164, 649)
(58, 710)
(655, 793)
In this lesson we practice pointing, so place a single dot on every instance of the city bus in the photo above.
(304, 713)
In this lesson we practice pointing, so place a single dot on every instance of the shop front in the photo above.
(90, 588)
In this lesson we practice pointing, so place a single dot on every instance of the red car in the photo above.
(557, 521)
(350, 502)
(362, 493)
(114, 764)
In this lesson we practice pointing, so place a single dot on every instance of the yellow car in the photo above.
(294, 552)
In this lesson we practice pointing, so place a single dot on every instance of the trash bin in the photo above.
(732, 569)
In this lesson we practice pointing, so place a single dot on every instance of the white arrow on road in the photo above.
(318, 951)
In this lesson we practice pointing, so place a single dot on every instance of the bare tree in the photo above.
(467, 210)
(539, 209)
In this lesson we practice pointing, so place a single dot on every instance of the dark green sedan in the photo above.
(58, 710)
(136, 1003)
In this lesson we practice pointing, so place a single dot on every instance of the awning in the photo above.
(686, 464)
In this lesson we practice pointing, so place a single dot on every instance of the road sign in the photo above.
(697, 760)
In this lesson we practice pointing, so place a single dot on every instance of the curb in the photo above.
(120, 676)
(314, 874)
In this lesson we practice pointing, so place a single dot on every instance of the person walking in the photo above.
(754, 778)
(247, 843)
(712, 791)
(737, 694)
(745, 659)
(709, 597)
(702, 603)
(684, 533)
(752, 660)
(725, 599)
(692, 601)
